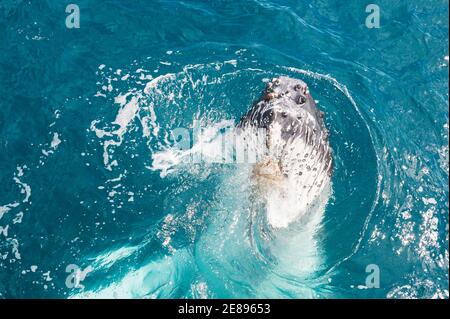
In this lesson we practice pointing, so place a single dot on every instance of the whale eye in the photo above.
(301, 100)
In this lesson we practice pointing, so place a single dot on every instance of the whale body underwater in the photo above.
(294, 173)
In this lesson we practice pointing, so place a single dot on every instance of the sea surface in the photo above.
(97, 200)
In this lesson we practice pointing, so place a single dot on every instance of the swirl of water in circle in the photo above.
(212, 224)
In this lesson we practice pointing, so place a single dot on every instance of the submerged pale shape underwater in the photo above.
(90, 175)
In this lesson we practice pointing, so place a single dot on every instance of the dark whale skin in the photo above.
(287, 104)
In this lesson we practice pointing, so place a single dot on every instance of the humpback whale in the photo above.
(294, 174)
(292, 179)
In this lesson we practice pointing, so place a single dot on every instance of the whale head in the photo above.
(295, 171)
(287, 104)
(288, 111)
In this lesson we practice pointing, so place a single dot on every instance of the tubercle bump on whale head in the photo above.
(286, 100)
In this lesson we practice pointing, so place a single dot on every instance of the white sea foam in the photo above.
(232, 62)
(25, 188)
(53, 145)
(153, 84)
(6, 208)
(131, 104)
(155, 279)
(207, 146)
(109, 258)
(55, 141)
(4, 230)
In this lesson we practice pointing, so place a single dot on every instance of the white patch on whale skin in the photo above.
(301, 179)
(294, 183)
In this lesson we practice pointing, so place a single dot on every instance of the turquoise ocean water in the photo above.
(90, 178)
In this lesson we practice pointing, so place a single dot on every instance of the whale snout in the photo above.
(287, 109)
(285, 101)
(284, 88)
(288, 104)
